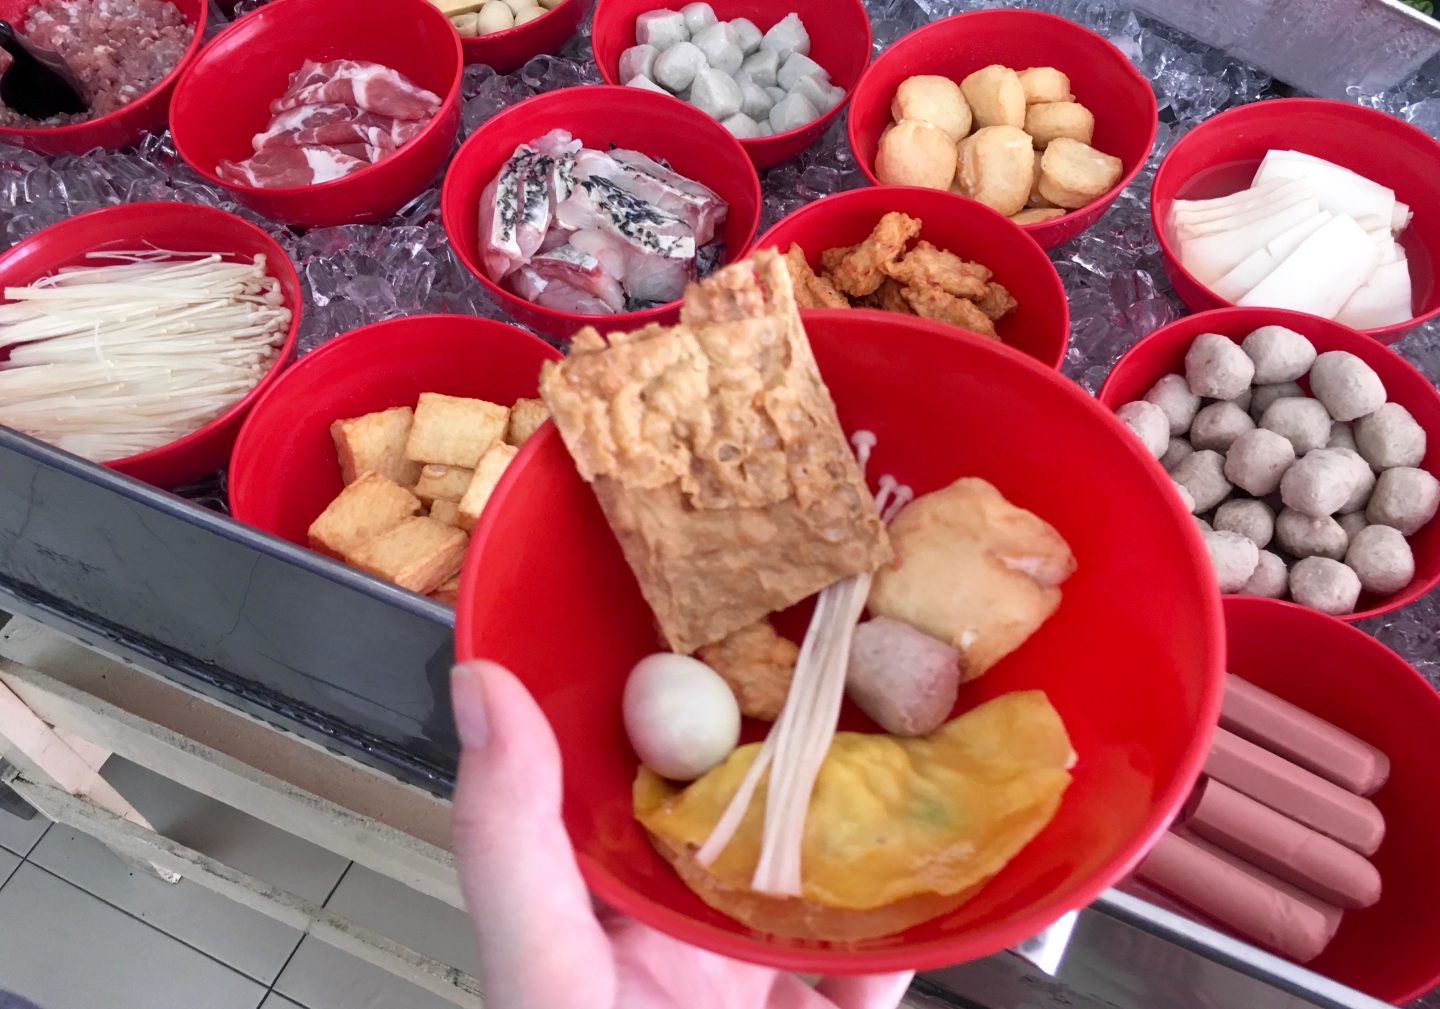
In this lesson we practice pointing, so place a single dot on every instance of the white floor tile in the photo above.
(18, 835)
(411, 919)
(322, 977)
(66, 949)
(228, 835)
(8, 864)
(274, 1001)
(233, 934)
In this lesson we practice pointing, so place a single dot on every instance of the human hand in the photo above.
(543, 945)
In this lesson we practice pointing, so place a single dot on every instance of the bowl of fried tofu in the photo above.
(382, 448)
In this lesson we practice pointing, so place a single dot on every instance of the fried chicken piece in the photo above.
(996, 303)
(758, 664)
(811, 291)
(933, 303)
(890, 299)
(927, 265)
(860, 271)
(831, 259)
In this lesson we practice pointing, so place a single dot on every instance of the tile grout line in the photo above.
(281, 972)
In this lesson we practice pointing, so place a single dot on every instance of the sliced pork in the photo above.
(367, 86)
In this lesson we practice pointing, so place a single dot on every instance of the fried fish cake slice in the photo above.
(932, 303)
(811, 291)
(925, 264)
(861, 270)
(996, 302)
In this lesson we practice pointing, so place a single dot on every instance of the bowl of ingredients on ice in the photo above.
(776, 75)
(597, 205)
(1304, 204)
(1307, 452)
(318, 114)
(945, 776)
(504, 34)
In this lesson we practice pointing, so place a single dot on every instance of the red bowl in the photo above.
(1163, 353)
(918, 385)
(840, 42)
(1350, 679)
(1220, 156)
(1040, 326)
(1102, 79)
(127, 124)
(509, 50)
(600, 116)
(183, 227)
(284, 471)
(224, 99)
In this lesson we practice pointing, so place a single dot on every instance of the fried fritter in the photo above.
(890, 299)
(996, 303)
(758, 664)
(861, 270)
(830, 259)
(811, 291)
(933, 303)
(926, 264)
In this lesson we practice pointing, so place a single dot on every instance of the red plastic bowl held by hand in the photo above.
(1132, 659)
(1102, 80)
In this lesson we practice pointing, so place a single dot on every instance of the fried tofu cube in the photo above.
(454, 431)
(419, 554)
(449, 593)
(375, 443)
(368, 507)
(442, 483)
(445, 511)
(487, 475)
(526, 416)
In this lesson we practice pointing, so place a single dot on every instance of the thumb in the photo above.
(540, 944)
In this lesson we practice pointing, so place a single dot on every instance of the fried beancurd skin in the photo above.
(926, 264)
(758, 664)
(997, 302)
(933, 303)
(862, 269)
(811, 291)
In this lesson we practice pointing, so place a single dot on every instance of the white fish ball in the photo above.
(1382, 559)
(1390, 437)
(1257, 460)
(1172, 395)
(1347, 386)
(1217, 368)
(1325, 585)
(1234, 558)
(1280, 354)
(1404, 497)
(1252, 519)
(681, 717)
(1218, 425)
(1271, 579)
(1148, 423)
(1305, 422)
(1306, 536)
(1202, 473)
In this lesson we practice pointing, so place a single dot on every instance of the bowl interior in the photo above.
(1137, 684)
(1039, 326)
(1163, 353)
(1221, 156)
(1350, 679)
(284, 471)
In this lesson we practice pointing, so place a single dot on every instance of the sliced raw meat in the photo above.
(570, 267)
(599, 204)
(515, 213)
(646, 178)
(335, 125)
(368, 86)
(651, 278)
(556, 143)
(527, 283)
(564, 298)
(289, 167)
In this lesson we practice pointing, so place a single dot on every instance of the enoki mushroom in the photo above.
(110, 361)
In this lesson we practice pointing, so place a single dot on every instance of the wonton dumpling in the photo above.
(898, 831)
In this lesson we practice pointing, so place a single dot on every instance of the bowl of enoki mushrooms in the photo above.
(138, 336)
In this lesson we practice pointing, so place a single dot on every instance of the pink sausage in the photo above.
(1310, 741)
(1137, 887)
(1256, 906)
(1295, 792)
(1280, 845)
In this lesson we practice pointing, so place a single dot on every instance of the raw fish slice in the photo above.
(1210, 257)
(598, 204)
(610, 250)
(564, 298)
(368, 86)
(1257, 266)
(1338, 189)
(290, 167)
(515, 213)
(657, 279)
(1384, 299)
(573, 268)
(687, 199)
(562, 179)
(554, 238)
(555, 144)
(527, 283)
(1320, 276)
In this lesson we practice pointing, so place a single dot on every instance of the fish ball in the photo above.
(528, 14)
(1382, 559)
(1173, 396)
(799, 65)
(645, 84)
(754, 101)
(467, 26)
(494, 17)
(1202, 473)
(1352, 523)
(1262, 396)
(1185, 498)
(934, 100)
(1244, 400)
(698, 17)
(638, 61)
(747, 35)
(1217, 368)
(1361, 475)
(1257, 460)
(1149, 424)
(1305, 422)
(901, 677)
(1390, 437)
(1342, 435)
(741, 126)
(762, 68)
(787, 36)
(721, 50)
(715, 93)
(1252, 519)
(1271, 579)
(1305, 536)
(819, 94)
(677, 67)
(1347, 386)
(1325, 585)
(660, 28)
(1280, 354)
(912, 153)
(1319, 484)
(794, 111)
(1234, 558)
(1218, 425)
(1178, 449)
(681, 717)
(996, 97)
(1405, 497)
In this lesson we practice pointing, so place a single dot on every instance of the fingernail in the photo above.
(467, 692)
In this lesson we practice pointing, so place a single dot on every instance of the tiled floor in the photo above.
(83, 928)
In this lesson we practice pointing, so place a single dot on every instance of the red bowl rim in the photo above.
(933, 953)
(1385, 334)
(832, 201)
(512, 32)
(75, 129)
(449, 211)
(1137, 78)
(1418, 586)
(449, 101)
(339, 345)
(284, 271)
(823, 123)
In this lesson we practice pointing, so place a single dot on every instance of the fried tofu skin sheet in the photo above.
(898, 830)
(715, 452)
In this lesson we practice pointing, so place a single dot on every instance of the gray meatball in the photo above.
(1324, 585)
(1342, 435)
(1217, 368)
(1361, 475)
(1257, 460)
(1280, 354)
(1347, 386)
(1172, 394)
(1264, 395)
(1218, 425)
(1244, 399)
(1390, 437)
(1185, 498)
(1178, 450)
(1405, 498)
(1252, 519)
(1319, 484)
(1271, 579)
(1352, 523)
(1234, 558)
(1149, 424)
(1382, 559)
(1305, 422)
(1203, 475)
(1305, 536)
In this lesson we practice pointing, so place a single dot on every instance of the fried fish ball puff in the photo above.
(1280, 354)
(1051, 120)
(915, 153)
(1172, 395)
(1347, 386)
(995, 166)
(1271, 579)
(1177, 451)
(934, 100)
(925, 264)
(1390, 437)
(996, 302)
(996, 97)
(860, 271)
(1262, 396)
(1319, 484)
(1308, 536)
(1045, 84)
(1405, 497)
(1036, 215)
(1035, 199)
(1234, 558)
(933, 303)
(758, 664)
(1381, 558)
(1218, 425)
(1073, 174)
(494, 17)
(1202, 473)
(1217, 368)
(1252, 519)
(811, 291)
(1325, 585)
(1148, 423)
